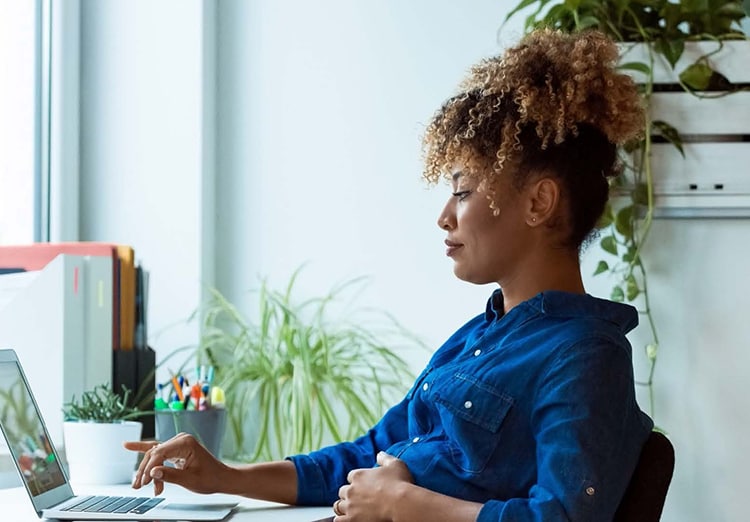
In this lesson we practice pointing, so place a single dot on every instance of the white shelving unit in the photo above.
(713, 179)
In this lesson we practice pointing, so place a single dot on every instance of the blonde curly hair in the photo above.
(554, 104)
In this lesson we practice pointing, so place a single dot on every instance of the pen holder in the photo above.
(207, 426)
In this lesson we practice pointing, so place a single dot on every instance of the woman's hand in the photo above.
(369, 497)
(194, 467)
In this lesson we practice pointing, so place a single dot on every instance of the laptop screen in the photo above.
(24, 431)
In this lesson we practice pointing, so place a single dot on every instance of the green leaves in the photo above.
(697, 76)
(624, 221)
(635, 66)
(670, 134)
(631, 287)
(665, 22)
(670, 48)
(303, 371)
(601, 268)
(523, 5)
(700, 76)
(609, 244)
(101, 404)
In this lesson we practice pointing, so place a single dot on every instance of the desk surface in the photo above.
(16, 505)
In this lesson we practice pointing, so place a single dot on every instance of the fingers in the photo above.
(337, 508)
(154, 457)
(181, 460)
(151, 458)
(158, 487)
(384, 459)
(140, 446)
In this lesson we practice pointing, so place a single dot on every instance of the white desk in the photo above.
(15, 505)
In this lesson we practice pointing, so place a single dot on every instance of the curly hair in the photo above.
(553, 104)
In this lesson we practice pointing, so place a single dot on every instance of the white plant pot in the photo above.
(95, 453)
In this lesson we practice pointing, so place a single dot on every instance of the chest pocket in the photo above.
(472, 412)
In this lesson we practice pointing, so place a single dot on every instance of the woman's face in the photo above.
(485, 248)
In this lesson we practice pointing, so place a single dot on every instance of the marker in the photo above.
(177, 388)
(217, 397)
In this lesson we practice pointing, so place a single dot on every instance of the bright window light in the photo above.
(17, 120)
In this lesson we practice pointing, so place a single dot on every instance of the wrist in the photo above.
(228, 479)
(399, 498)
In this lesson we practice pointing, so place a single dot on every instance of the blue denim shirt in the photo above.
(532, 413)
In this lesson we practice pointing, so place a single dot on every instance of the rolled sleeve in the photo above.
(321, 473)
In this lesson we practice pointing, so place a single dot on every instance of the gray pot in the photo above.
(207, 426)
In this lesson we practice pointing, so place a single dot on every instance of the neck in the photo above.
(556, 269)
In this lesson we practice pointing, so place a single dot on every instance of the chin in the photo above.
(469, 277)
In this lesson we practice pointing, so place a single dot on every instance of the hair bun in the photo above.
(559, 81)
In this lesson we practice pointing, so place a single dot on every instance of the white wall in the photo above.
(143, 147)
(319, 110)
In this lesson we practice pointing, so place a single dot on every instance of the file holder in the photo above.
(136, 370)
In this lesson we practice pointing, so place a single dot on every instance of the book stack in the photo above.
(76, 313)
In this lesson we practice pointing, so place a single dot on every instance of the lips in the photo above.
(452, 247)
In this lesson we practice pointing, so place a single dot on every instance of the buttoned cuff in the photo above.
(311, 484)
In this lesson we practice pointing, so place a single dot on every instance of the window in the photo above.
(20, 131)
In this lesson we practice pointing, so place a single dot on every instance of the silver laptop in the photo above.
(45, 479)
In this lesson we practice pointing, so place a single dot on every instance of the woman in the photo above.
(528, 411)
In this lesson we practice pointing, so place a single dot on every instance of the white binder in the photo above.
(59, 321)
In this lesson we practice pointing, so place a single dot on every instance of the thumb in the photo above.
(384, 459)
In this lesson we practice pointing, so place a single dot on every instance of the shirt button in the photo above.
(415, 440)
(477, 352)
(468, 405)
(590, 491)
(425, 386)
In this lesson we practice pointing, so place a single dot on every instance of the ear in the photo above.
(543, 200)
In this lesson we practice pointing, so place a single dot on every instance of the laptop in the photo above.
(45, 479)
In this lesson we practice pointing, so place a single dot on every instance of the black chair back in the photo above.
(644, 499)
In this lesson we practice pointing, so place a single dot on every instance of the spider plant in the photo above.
(300, 374)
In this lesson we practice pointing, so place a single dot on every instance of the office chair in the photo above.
(644, 499)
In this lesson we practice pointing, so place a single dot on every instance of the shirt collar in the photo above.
(565, 304)
(495, 306)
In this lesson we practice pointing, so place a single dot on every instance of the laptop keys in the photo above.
(109, 505)
(83, 503)
(146, 505)
(105, 504)
(129, 506)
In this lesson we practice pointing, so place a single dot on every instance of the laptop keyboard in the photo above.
(106, 504)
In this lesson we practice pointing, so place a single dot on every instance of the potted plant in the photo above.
(94, 429)
(681, 54)
(298, 375)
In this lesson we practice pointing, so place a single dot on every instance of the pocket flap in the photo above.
(476, 401)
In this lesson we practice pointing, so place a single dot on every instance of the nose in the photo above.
(447, 218)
